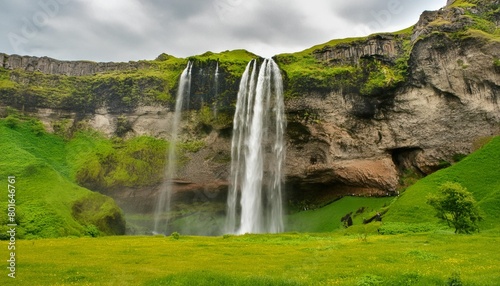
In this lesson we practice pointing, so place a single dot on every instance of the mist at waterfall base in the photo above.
(254, 196)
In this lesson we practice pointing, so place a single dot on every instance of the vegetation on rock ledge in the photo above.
(370, 75)
(121, 90)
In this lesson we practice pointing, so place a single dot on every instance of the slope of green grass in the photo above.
(45, 195)
(478, 172)
(328, 218)
(29, 135)
(284, 259)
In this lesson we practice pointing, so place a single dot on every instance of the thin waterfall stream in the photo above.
(164, 201)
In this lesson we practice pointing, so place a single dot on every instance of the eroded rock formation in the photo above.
(386, 47)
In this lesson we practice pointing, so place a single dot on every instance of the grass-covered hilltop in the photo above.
(379, 128)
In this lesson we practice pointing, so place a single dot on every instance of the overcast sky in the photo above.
(123, 30)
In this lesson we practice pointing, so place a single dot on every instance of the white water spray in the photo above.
(257, 152)
(164, 200)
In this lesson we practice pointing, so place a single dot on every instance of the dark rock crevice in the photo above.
(405, 158)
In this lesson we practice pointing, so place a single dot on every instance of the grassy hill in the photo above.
(478, 172)
(48, 202)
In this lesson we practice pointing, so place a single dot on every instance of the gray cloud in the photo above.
(383, 15)
(122, 30)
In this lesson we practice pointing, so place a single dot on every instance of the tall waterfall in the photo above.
(164, 200)
(257, 152)
(216, 89)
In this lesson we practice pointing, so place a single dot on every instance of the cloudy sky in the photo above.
(123, 30)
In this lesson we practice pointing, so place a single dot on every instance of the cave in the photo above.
(405, 158)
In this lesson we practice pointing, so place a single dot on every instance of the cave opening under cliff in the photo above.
(405, 158)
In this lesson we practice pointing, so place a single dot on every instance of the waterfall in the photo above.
(164, 200)
(216, 89)
(257, 152)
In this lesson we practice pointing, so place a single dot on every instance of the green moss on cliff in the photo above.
(463, 3)
(496, 63)
(45, 194)
(208, 118)
(103, 164)
(368, 76)
(99, 211)
(483, 15)
(121, 90)
(232, 62)
(472, 3)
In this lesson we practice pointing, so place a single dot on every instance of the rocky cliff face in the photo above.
(341, 142)
(70, 68)
(450, 100)
(386, 47)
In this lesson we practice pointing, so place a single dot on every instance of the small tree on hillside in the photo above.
(457, 207)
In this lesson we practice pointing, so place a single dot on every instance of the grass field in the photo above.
(284, 259)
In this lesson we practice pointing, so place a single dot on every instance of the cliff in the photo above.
(386, 47)
(361, 112)
(349, 142)
(70, 68)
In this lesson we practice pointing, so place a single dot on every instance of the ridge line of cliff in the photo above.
(48, 65)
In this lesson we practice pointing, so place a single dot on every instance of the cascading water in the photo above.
(257, 152)
(164, 200)
(216, 89)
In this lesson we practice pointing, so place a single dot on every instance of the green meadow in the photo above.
(436, 258)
